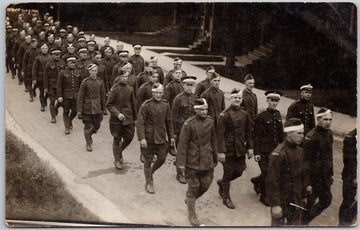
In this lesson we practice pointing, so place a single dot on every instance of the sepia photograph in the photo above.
(180, 114)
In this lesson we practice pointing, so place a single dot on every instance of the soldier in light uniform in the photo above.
(51, 73)
(91, 104)
(318, 155)
(197, 155)
(154, 127)
(137, 60)
(235, 142)
(122, 106)
(269, 133)
(182, 109)
(68, 85)
(174, 87)
(303, 108)
(286, 177)
(205, 84)
(177, 65)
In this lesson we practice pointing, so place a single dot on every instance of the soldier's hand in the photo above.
(250, 153)
(60, 100)
(22, 73)
(121, 117)
(143, 143)
(257, 158)
(45, 91)
(309, 189)
(221, 157)
(276, 212)
(172, 142)
(13, 59)
(34, 82)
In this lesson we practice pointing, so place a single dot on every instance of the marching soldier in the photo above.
(51, 73)
(154, 126)
(38, 74)
(318, 155)
(303, 108)
(235, 141)
(19, 59)
(177, 65)
(18, 43)
(249, 97)
(205, 84)
(68, 85)
(286, 177)
(126, 69)
(91, 104)
(102, 74)
(197, 155)
(174, 87)
(269, 133)
(154, 62)
(145, 91)
(83, 62)
(109, 62)
(214, 98)
(122, 106)
(123, 58)
(182, 109)
(143, 77)
(137, 60)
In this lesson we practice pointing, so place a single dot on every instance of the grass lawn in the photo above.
(33, 191)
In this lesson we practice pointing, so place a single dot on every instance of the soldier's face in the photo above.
(154, 78)
(108, 53)
(325, 121)
(56, 56)
(154, 63)
(127, 69)
(188, 87)
(177, 74)
(306, 94)
(71, 49)
(93, 72)
(236, 100)
(296, 137)
(123, 78)
(82, 43)
(91, 47)
(137, 51)
(158, 95)
(124, 58)
(273, 103)
(51, 39)
(98, 57)
(83, 55)
(177, 65)
(34, 44)
(44, 49)
(202, 112)
(249, 84)
(215, 82)
(107, 42)
(119, 47)
(71, 64)
(210, 72)
(42, 36)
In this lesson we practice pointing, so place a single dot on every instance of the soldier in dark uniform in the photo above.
(197, 155)
(91, 104)
(348, 208)
(154, 62)
(51, 73)
(249, 98)
(269, 133)
(119, 47)
(303, 108)
(81, 43)
(214, 97)
(102, 74)
(68, 85)
(174, 87)
(106, 45)
(123, 56)
(182, 109)
(18, 43)
(27, 64)
(286, 177)
(205, 84)
(122, 106)
(154, 126)
(51, 41)
(126, 70)
(19, 59)
(143, 77)
(137, 60)
(235, 141)
(42, 38)
(10, 49)
(177, 65)
(91, 46)
(9, 37)
(38, 74)
(70, 52)
(109, 62)
(318, 155)
(145, 91)
(83, 62)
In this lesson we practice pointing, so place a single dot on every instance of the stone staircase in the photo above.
(200, 42)
(257, 54)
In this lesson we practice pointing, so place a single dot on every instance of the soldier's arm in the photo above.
(35, 67)
(133, 104)
(281, 131)
(45, 76)
(214, 144)
(24, 62)
(258, 134)
(199, 89)
(185, 136)
(167, 93)
(248, 132)
(221, 132)
(102, 95)
(111, 101)
(272, 180)
(80, 98)
(59, 84)
(113, 74)
(168, 120)
(140, 125)
(175, 111)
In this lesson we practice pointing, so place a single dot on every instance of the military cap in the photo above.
(44, 45)
(71, 58)
(82, 50)
(273, 94)
(46, 24)
(70, 45)
(248, 77)
(33, 40)
(124, 53)
(177, 60)
(126, 65)
(157, 88)
(8, 27)
(92, 66)
(210, 68)
(55, 51)
(236, 92)
(188, 79)
(107, 49)
(15, 30)
(137, 45)
(200, 103)
(214, 75)
(307, 87)
(90, 43)
(81, 39)
(293, 124)
(69, 27)
(62, 31)
(322, 112)
(51, 36)
(81, 33)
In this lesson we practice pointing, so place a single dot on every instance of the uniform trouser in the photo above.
(8, 63)
(348, 208)
(178, 170)
(260, 180)
(198, 181)
(43, 98)
(52, 97)
(320, 189)
(69, 112)
(234, 167)
(291, 216)
(92, 124)
(153, 149)
(20, 78)
(28, 83)
(123, 135)
(12, 68)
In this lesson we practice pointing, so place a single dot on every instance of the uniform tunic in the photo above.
(91, 97)
(216, 102)
(169, 76)
(304, 110)
(202, 86)
(250, 103)
(142, 78)
(143, 93)
(138, 64)
(172, 90)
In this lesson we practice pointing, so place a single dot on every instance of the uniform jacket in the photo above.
(350, 156)
(21, 53)
(91, 97)
(235, 131)
(286, 177)
(250, 103)
(182, 109)
(39, 66)
(142, 78)
(122, 100)
(109, 64)
(103, 48)
(318, 152)
(216, 102)
(51, 73)
(68, 83)
(169, 76)
(138, 64)
(154, 122)
(18, 43)
(202, 86)
(304, 110)
(172, 90)
(82, 64)
(29, 58)
(114, 72)
(197, 148)
(268, 131)
(143, 93)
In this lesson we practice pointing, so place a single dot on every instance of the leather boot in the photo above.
(226, 199)
(191, 212)
(221, 191)
(31, 94)
(149, 186)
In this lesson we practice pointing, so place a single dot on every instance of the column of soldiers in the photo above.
(173, 114)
